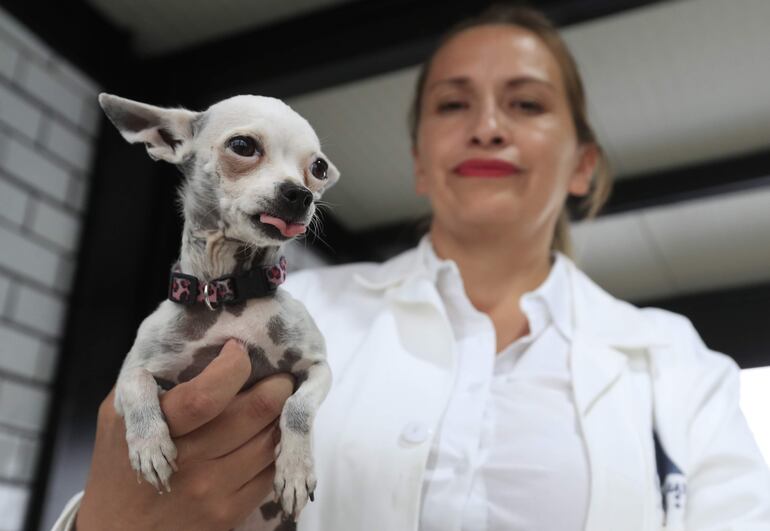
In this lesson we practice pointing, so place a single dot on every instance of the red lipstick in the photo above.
(486, 168)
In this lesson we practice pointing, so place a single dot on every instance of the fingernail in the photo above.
(234, 343)
(276, 434)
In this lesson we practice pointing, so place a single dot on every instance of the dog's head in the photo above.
(254, 166)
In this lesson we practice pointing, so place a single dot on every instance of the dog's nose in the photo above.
(297, 197)
(293, 201)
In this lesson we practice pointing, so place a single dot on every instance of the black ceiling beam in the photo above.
(733, 321)
(741, 172)
(339, 44)
(708, 179)
(686, 183)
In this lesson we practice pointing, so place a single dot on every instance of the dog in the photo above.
(254, 171)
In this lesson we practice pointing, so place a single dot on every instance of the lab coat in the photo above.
(634, 371)
(393, 358)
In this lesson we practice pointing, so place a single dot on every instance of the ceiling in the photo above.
(669, 85)
(165, 26)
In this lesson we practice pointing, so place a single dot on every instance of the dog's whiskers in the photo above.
(326, 204)
(315, 228)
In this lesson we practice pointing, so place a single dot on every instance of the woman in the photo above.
(481, 380)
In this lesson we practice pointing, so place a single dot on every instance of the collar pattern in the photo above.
(228, 289)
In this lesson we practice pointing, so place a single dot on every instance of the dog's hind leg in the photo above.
(151, 450)
(295, 479)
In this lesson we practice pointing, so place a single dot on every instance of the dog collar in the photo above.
(228, 289)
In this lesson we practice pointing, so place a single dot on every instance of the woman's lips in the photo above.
(486, 168)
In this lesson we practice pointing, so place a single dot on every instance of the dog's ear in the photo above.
(332, 174)
(167, 133)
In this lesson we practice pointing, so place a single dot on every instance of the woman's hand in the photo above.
(225, 444)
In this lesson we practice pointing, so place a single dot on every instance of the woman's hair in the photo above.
(537, 23)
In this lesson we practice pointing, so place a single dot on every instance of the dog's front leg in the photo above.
(295, 479)
(151, 450)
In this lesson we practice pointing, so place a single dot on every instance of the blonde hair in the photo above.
(534, 21)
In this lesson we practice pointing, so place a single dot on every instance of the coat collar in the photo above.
(607, 320)
(395, 271)
(595, 313)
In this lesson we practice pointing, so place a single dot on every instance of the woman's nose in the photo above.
(489, 129)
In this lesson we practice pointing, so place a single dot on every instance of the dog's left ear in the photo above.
(167, 133)
(332, 174)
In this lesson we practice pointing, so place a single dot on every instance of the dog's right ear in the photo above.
(167, 133)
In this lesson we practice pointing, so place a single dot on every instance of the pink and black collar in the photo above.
(228, 289)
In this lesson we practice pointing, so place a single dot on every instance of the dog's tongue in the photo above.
(292, 229)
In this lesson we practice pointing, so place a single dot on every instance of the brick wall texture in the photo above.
(49, 117)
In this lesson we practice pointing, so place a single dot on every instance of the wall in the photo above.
(48, 124)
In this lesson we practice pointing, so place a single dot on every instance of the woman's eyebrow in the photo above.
(462, 82)
(525, 80)
(453, 81)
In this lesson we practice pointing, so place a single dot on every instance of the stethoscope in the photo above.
(673, 488)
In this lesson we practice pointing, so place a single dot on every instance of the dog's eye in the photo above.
(318, 169)
(243, 145)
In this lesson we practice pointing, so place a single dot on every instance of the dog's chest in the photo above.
(276, 336)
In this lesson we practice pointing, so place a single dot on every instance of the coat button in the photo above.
(415, 433)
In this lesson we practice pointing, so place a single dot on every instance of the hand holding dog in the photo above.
(225, 443)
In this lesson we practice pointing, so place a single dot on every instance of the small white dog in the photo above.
(254, 170)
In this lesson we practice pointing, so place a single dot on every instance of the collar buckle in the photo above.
(207, 292)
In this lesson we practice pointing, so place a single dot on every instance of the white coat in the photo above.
(392, 355)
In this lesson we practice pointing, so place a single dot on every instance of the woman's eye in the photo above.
(318, 169)
(243, 145)
(449, 106)
(527, 106)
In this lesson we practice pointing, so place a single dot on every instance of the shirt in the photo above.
(508, 454)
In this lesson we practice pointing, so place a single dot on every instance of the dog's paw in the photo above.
(154, 457)
(295, 479)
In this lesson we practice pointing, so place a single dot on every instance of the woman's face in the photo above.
(496, 145)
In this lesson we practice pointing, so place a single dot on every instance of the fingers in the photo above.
(259, 488)
(246, 416)
(245, 463)
(192, 404)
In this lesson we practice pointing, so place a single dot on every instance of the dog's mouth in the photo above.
(286, 228)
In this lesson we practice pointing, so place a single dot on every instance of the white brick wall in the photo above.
(49, 117)
(56, 225)
(25, 162)
(8, 59)
(13, 500)
(5, 286)
(13, 202)
(27, 257)
(24, 452)
(18, 113)
(26, 356)
(38, 310)
(68, 144)
(22, 405)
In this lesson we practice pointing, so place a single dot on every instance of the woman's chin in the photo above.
(481, 219)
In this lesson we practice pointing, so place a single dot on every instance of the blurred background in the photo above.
(679, 94)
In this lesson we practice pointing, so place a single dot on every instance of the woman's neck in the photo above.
(497, 269)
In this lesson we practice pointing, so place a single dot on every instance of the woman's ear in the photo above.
(580, 181)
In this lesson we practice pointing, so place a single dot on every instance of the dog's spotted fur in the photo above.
(222, 199)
